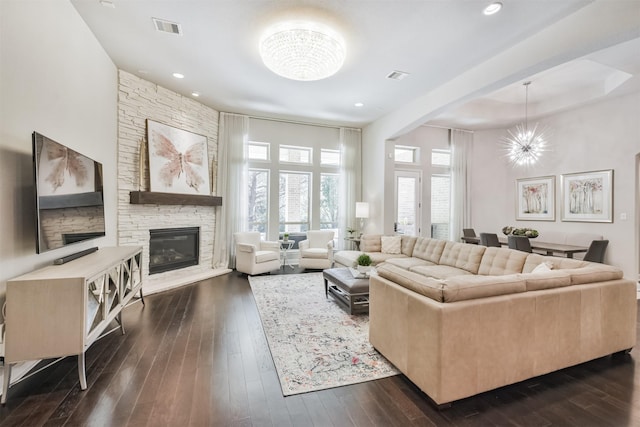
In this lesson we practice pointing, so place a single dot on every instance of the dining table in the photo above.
(549, 248)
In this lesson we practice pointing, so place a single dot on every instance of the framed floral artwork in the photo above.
(587, 196)
(178, 160)
(535, 199)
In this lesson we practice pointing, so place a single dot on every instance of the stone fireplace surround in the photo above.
(139, 100)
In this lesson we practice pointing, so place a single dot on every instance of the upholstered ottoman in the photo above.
(350, 293)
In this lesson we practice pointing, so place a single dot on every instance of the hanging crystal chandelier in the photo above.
(524, 146)
(302, 50)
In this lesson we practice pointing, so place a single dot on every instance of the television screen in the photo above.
(68, 192)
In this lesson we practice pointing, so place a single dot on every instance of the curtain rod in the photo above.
(448, 128)
(297, 122)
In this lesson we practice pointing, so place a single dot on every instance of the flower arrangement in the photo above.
(351, 231)
(526, 232)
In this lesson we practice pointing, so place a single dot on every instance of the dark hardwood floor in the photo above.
(197, 356)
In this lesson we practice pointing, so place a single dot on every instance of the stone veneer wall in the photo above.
(139, 100)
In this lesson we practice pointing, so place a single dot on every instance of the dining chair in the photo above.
(596, 251)
(468, 232)
(489, 239)
(519, 243)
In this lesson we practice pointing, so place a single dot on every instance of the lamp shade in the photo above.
(362, 210)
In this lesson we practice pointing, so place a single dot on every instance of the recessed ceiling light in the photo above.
(196, 94)
(107, 3)
(492, 8)
(359, 104)
(178, 75)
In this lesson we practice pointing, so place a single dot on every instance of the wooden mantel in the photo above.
(152, 197)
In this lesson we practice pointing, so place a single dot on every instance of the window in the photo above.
(258, 151)
(294, 201)
(329, 157)
(329, 202)
(295, 192)
(441, 158)
(440, 203)
(290, 154)
(408, 208)
(258, 195)
(405, 154)
(440, 193)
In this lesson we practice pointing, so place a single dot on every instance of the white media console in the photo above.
(60, 310)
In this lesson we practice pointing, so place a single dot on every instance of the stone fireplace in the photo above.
(139, 100)
(173, 248)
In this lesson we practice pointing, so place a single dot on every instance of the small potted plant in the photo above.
(350, 231)
(285, 237)
(364, 263)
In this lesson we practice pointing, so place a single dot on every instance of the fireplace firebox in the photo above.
(173, 248)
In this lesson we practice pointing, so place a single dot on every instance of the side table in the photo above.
(354, 241)
(285, 245)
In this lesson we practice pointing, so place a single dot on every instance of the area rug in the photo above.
(315, 344)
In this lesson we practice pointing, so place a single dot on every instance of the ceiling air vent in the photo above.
(397, 75)
(167, 26)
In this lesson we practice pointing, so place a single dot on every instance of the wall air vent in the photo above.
(167, 26)
(397, 75)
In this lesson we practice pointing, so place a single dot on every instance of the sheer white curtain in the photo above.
(460, 182)
(232, 186)
(350, 175)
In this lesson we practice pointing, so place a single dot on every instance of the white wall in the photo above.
(604, 135)
(55, 79)
(595, 26)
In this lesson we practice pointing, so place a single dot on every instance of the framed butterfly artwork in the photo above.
(178, 160)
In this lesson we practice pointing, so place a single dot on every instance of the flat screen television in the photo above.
(68, 195)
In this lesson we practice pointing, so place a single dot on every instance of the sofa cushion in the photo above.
(594, 273)
(423, 285)
(547, 280)
(501, 261)
(408, 262)
(428, 249)
(543, 267)
(473, 287)
(408, 242)
(391, 244)
(264, 256)
(348, 258)
(534, 260)
(438, 271)
(317, 253)
(370, 243)
(463, 256)
(379, 257)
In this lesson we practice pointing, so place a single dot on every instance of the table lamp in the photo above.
(362, 212)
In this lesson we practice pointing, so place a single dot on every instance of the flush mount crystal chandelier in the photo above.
(524, 146)
(302, 50)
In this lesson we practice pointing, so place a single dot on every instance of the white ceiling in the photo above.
(433, 40)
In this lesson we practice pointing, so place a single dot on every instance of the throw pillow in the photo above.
(391, 244)
(545, 266)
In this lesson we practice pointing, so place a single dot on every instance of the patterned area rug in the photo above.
(315, 344)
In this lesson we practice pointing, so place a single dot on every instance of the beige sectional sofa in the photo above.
(460, 319)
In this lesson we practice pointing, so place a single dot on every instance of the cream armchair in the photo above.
(254, 256)
(316, 251)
